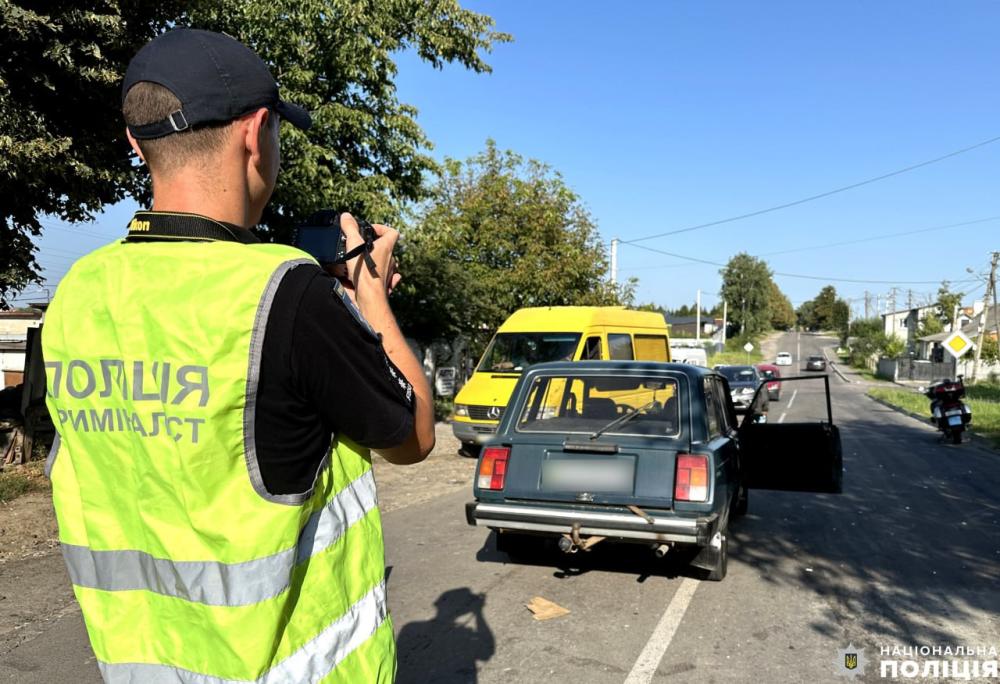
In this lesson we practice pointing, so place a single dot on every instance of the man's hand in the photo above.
(366, 288)
(370, 292)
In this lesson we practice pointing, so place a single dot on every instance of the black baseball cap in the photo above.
(216, 78)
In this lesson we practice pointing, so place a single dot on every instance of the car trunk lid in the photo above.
(602, 471)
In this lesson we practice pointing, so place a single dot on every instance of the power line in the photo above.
(821, 195)
(797, 275)
(881, 237)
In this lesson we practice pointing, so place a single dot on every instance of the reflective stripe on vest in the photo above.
(311, 662)
(222, 584)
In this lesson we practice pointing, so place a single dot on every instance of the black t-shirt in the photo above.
(322, 372)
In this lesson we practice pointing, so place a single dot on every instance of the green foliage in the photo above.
(893, 346)
(991, 352)
(867, 341)
(691, 310)
(499, 234)
(650, 307)
(946, 303)
(929, 325)
(780, 307)
(734, 354)
(62, 147)
(825, 312)
(443, 408)
(18, 480)
(746, 285)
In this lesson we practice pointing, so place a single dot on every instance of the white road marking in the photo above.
(782, 419)
(792, 400)
(798, 347)
(645, 667)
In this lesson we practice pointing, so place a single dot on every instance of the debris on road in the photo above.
(543, 609)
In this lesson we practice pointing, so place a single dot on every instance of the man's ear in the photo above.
(255, 131)
(135, 145)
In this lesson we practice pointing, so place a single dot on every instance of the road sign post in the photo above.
(748, 347)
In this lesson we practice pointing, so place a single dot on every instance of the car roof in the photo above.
(596, 367)
(579, 318)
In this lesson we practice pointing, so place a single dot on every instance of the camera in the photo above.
(321, 237)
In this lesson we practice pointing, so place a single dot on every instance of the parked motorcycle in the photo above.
(949, 413)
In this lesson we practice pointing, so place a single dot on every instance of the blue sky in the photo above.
(670, 114)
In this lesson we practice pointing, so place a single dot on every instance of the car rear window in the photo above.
(643, 405)
(738, 373)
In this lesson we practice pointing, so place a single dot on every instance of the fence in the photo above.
(911, 369)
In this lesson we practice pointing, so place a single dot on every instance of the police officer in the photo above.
(216, 399)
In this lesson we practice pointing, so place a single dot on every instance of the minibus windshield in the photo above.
(513, 352)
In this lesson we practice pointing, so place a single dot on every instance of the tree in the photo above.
(746, 285)
(780, 307)
(62, 148)
(947, 303)
(825, 312)
(929, 325)
(499, 234)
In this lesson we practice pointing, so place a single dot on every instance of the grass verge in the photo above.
(18, 480)
(983, 399)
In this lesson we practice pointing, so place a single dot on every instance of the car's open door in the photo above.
(795, 455)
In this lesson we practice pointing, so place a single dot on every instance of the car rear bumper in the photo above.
(558, 521)
(476, 433)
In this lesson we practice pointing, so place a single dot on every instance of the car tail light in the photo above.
(493, 467)
(691, 482)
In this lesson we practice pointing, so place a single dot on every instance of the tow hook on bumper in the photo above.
(572, 542)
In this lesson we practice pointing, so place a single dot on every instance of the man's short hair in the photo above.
(147, 102)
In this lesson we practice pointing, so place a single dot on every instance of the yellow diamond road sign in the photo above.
(957, 343)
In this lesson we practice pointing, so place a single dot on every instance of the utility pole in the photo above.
(614, 261)
(991, 285)
(868, 303)
(891, 303)
(909, 299)
(725, 322)
(697, 317)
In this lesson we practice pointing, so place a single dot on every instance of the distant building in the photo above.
(687, 326)
(13, 339)
(969, 318)
(905, 323)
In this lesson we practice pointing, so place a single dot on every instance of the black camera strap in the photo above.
(365, 250)
(151, 226)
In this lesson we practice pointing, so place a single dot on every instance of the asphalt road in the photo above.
(907, 556)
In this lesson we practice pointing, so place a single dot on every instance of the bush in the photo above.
(443, 408)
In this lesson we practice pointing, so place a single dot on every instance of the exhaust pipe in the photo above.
(566, 545)
(660, 550)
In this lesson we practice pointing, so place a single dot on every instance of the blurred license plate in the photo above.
(954, 420)
(588, 476)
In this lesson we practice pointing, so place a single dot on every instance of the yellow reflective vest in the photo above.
(185, 567)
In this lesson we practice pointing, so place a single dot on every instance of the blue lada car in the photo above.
(638, 452)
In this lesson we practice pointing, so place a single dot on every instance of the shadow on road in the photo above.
(624, 558)
(909, 550)
(447, 647)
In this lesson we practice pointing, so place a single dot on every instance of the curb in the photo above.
(976, 439)
(833, 365)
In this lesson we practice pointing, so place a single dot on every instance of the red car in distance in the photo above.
(770, 372)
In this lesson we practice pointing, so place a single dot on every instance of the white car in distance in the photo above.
(783, 359)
